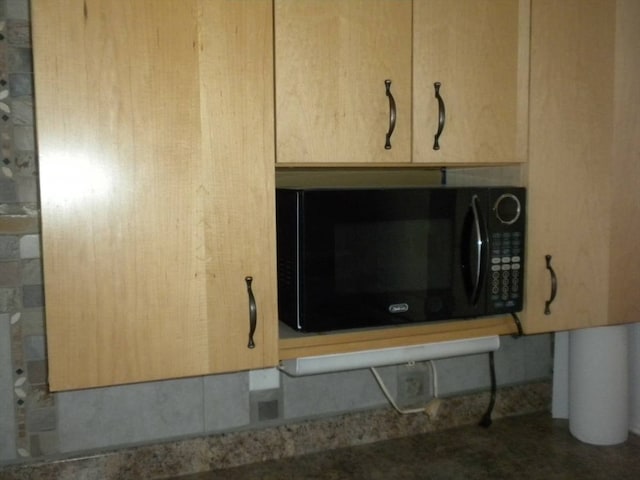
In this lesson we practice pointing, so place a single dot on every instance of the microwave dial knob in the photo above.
(507, 208)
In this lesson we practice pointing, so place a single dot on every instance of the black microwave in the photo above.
(364, 257)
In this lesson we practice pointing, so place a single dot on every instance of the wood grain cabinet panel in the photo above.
(332, 60)
(478, 52)
(156, 146)
(582, 175)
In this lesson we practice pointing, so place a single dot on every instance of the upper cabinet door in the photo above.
(477, 52)
(332, 60)
(155, 138)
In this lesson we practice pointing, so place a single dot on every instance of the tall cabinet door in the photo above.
(474, 55)
(238, 138)
(584, 205)
(625, 177)
(569, 189)
(155, 141)
(332, 60)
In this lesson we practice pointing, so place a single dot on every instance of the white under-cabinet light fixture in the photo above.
(388, 356)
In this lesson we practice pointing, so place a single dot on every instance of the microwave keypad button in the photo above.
(495, 268)
(506, 266)
(515, 259)
(495, 260)
(506, 259)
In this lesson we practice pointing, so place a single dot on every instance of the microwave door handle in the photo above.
(479, 245)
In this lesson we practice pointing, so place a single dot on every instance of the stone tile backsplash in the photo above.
(9, 247)
(27, 410)
(7, 417)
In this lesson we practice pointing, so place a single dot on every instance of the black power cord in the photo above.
(486, 421)
(486, 418)
(516, 319)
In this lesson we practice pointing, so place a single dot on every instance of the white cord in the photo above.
(390, 398)
(432, 406)
(434, 378)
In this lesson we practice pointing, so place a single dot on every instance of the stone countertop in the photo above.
(525, 447)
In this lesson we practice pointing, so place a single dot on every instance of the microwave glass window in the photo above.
(392, 256)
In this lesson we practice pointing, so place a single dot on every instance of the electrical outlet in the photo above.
(414, 386)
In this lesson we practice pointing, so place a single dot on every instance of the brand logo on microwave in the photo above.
(398, 307)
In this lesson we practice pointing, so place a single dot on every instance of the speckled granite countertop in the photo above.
(525, 447)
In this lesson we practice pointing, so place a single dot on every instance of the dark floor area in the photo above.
(526, 447)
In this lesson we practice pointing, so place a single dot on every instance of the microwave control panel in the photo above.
(505, 283)
(506, 257)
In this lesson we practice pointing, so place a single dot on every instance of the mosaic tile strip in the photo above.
(21, 293)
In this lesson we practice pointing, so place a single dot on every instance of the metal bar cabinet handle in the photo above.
(554, 286)
(392, 114)
(253, 313)
(441, 116)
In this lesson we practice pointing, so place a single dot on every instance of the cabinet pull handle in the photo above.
(253, 313)
(554, 286)
(441, 116)
(392, 115)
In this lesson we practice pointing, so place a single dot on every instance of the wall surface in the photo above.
(37, 424)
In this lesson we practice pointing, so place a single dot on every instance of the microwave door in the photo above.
(474, 245)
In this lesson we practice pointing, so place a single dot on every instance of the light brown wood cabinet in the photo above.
(156, 144)
(584, 164)
(478, 53)
(157, 141)
(332, 60)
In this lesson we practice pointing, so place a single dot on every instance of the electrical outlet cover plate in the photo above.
(414, 386)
